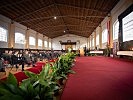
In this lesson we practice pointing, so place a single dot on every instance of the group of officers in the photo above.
(16, 58)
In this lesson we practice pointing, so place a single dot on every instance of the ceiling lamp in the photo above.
(55, 17)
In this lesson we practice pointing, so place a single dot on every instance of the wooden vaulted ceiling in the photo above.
(79, 17)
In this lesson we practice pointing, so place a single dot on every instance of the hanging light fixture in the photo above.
(55, 17)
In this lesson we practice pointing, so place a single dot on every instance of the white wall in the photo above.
(117, 10)
(104, 26)
(46, 39)
(4, 22)
(40, 36)
(50, 40)
(20, 29)
(74, 38)
(32, 33)
(98, 33)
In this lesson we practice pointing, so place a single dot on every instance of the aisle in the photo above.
(100, 78)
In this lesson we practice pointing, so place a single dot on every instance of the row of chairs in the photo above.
(16, 59)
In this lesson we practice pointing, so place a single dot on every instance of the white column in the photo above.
(48, 43)
(37, 40)
(11, 37)
(111, 32)
(43, 42)
(100, 37)
(27, 39)
(94, 39)
(89, 42)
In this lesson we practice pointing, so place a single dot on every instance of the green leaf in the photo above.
(71, 71)
(11, 97)
(4, 91)
(36, 83)
(14, 89)
(31, 91)
(25, 84)
(11, 79)
(44, 83)
(47, 68)
(30, 74)
(42, 74)
(58, 77)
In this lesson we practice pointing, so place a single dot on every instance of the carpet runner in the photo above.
(100, 78)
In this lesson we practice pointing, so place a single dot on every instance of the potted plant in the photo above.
(36, 87)
(107, 51)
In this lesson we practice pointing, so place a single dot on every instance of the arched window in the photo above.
(45, 43)
(93, 42)
(19, 38)
(115, 30)
(104, 36)
(3, 34)
(49, 44)
(31, 41)
(90, 42)
(40, 42)
(97, 39)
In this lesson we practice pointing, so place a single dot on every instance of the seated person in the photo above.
(2, 67)
(6, 57)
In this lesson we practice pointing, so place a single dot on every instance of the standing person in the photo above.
(27, 57)
(78, 52)
(85, 50)
(2, 68)
(10, 55)
(15, 60)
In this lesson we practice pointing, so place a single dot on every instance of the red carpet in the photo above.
(100, 78)
(21, 76)
(40, 64)
(34, 70)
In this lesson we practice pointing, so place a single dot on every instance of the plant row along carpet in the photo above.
(37, 83)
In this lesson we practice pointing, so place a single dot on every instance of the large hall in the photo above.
(66, 49)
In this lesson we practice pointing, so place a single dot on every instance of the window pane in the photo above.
(19, 38)
(3, 34)
(115, 30)
(90, 42)
(93, 42)
(31, 41)
(104, 35)
(45, 44)
(49, 44)
(40, 42)
(97, 39)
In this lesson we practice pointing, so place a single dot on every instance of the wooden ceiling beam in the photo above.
(28, 20)
(32, 12)
(78, 7)
(13, 3)
(62, 31)
(83, 35)
(63, 26)
(84, 20)
(60, 14)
